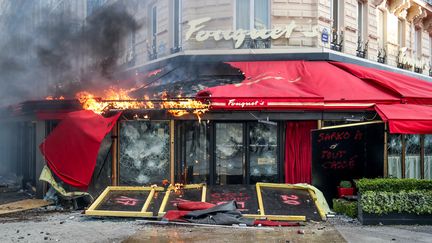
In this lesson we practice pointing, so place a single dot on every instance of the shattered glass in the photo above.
(263, 153)
(412, 156)
(394, 149)
(229, 153)
(144, 152)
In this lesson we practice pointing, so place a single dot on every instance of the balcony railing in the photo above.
(382, 55)
(337, 40)
(362, 47)
(258, 43)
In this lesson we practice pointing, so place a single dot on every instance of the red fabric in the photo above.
(410, 89)
(407, 119)
(175, 215)
(297, 85)
(274, 223)
(71, 149)
(191, 206)
(298, 154)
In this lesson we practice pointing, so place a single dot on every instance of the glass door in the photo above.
(229, 153)
(263, 153)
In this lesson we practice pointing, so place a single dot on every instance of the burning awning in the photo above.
(297, 85)
(71, 149)
(407, 118)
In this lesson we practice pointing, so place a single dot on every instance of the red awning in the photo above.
(297, 85)
(71, 149)
(406, 118)
(267, 85)
(408, 89)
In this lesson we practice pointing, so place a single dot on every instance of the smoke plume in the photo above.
(61, 54)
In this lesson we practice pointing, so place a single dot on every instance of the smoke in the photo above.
(61, 54)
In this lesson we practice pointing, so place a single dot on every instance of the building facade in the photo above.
(393, 32)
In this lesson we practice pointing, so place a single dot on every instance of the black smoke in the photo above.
(62, 54)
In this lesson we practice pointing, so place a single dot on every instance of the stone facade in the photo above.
(312, 16)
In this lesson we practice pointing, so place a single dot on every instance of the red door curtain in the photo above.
(298, 155)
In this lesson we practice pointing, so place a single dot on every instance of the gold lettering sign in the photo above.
(238, 36)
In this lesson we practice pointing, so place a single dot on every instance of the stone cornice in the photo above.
(414, 12)
(377, 2)
(398, 6)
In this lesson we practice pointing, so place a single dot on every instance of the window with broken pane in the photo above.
(144, 152)
(229, 154)
(263, 153)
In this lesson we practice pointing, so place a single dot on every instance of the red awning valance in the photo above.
(406, 118)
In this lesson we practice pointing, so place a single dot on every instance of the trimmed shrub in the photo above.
(349, 208)
(392, 185)
(382, 202)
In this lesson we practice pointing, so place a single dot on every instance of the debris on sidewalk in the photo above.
(23, 205)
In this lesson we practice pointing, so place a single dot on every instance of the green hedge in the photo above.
(348, 208)
(418, 202)
(392, 185)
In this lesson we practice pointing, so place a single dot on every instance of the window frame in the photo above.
(417, 48)
(251, 14)
(403, 154)
(401, 33)
(211, 136)
(176, 43)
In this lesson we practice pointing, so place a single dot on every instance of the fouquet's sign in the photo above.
(243, 104)
(238, 36)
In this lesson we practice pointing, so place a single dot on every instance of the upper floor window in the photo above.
(153, 33)
(176, 33)
(381, 28)
(360, 20)
(430, 55)
(401, 32)
(417, 43)
(335, 14)
(362, 38)
(381, 32)
(253, 14)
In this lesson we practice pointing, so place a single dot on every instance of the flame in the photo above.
(54, 98)
(120, 99)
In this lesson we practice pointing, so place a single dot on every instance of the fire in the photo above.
(186, 106)
(54, 98)
(112, 99)
(120, 99)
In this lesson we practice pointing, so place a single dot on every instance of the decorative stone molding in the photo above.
(402, 14)
(352, 29)
(377, 2)
(373, 37)
(414, 12)
(399, 6)
(325, 19)
(427, 24)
